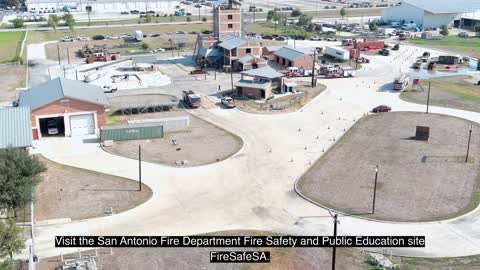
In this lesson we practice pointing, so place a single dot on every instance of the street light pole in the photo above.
(313, 66)
(139, 167)
(335, 222)
(428, 94)
(468, 146)
(375, 189)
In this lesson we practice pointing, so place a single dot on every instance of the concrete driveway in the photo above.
(254, 189)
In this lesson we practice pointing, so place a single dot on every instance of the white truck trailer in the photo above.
(337, 53)
(138, 35)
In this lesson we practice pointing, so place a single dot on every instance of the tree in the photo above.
(6, 265)
(189, 19)
(204, 19)
(311, 27)
(53, 21)
(20, 173)
(145, 46)
(343, 12)
(444, 30)
(148, 18)
(296, 13)
(11, 239)
(304, 19)
(18, 23)
(69, 21)
(373, 26)
(11, 3)
(270, 15)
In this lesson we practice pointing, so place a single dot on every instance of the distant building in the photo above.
(469, 21)
(289, 57)
(227, 20)
(48, 6)
(261, 83)
(250, 62)
(72, 108)
(428, 13)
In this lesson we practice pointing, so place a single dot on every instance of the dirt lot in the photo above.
(118, 45)
(457, 92)
(285, 104)
(11, 78)
(417, 181)
(202, 144)
(68, 192)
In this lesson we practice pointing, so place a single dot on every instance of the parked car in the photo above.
(52, 128)
(228, 102)
(315, 38)
(281, 38)
(98, 37)
(381, 108)
(134, 11)
(384, 52)
(84, 38)
(124, 13)
(396, 47)
(463, 34)
(67, 39)
(331, 39)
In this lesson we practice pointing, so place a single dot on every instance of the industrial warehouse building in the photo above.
(72, 108)
(44, 6)
(428, 13)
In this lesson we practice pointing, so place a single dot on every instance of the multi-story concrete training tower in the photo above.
(227, 20)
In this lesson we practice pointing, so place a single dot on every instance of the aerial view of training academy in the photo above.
(239, 134)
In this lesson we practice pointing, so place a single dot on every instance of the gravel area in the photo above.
(11, 78)
(68, 192)
(417, 181)
(203, 143)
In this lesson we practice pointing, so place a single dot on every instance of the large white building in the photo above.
(429, 13)
(44, 6)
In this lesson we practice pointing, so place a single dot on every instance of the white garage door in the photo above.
(82, 124)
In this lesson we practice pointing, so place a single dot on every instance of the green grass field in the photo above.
(455, 44)
(10, 43)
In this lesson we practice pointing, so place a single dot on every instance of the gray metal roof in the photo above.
(265, 72)
(288, 53)
(445, 6)
(58, 88)
(246, 59)
(15, 127)
(251, 84)
(232, 42)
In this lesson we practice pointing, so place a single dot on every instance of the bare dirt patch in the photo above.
(417, 181)
(12, 77)
(203, 143)
(68, 192)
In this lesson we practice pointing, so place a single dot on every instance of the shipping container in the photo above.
(131, 132)
(337, 53)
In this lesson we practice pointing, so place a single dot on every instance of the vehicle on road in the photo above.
(381, 108)
(400, 83)
(384, 52)
(228, 102)
(193, 100)
(396, 47)
(109, 89)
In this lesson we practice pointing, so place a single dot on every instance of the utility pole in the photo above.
(375, 189)
(313, 66)
(231, 76)
(335, 222)
(468, 145)
(68, 55)
(139, 167)
(58, 53)
(428, 95)
(199, 13)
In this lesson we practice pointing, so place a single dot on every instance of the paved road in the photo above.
(254, 189)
